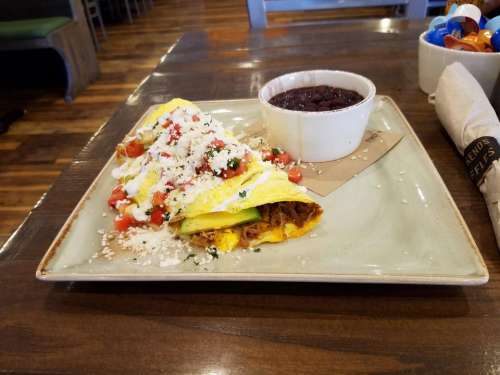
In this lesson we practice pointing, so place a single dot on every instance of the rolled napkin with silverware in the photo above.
(470, 120)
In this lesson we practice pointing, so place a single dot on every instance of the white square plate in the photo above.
(393, 223)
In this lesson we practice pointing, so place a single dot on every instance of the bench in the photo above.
(258, 9)
(55, 24)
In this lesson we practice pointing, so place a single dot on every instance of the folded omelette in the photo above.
(182, 171)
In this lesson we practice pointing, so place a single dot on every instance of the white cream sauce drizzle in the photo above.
(262, 178)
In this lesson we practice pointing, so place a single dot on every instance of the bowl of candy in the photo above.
(464, 36)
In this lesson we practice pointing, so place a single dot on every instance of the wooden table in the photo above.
(233, 328)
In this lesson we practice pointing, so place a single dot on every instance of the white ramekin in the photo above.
(317, 136)
(432, 59)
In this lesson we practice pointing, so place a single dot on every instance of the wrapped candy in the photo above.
(471, 122)
(474, 42)
(495, 40)
(465, 29)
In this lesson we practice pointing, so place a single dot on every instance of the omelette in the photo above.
(182, 171)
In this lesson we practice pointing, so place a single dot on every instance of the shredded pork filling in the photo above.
(273, 215)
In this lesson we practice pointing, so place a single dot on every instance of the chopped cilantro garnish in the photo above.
(276, 151)
(234, 163)
(257, 250)
(166, 216)
(243, 194)
(189, 256)
(213, 252)
(179, 211)
(148, 212)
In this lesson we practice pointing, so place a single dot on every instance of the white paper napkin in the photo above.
(466, 114)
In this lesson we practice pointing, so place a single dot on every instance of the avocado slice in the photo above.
(218, 220)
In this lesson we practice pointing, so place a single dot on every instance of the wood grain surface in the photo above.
(252, 328)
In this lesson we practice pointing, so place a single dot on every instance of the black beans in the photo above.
(316, 99)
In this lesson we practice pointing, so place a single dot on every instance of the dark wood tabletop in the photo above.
(252, 328)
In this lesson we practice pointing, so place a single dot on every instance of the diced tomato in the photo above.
(229, 173)
(122, 223)
(283, 158)
(218, 144)
(204, 167)
(167, 123)
(159, 198)
(117, 188)
(157, 216)
(267, 155)
(196, 118)
(134, 149)
(117, 194)
(170, 186)
(175, 133)
(241, 168)
(295, 175)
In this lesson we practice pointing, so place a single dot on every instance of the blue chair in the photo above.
(257, 9)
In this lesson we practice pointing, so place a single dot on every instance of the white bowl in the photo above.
(432, 59)
(317, 136)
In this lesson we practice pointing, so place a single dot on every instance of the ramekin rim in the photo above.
(371, 94)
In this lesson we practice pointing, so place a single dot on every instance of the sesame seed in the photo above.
(365, 158)
(402, 172)
(379, 186)
(313, 235)
(365, 150)
(404, 201)
(353, 157)
(320, 171)
(400, 179)
(104, 214)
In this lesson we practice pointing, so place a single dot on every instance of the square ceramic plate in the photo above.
(375, 228)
